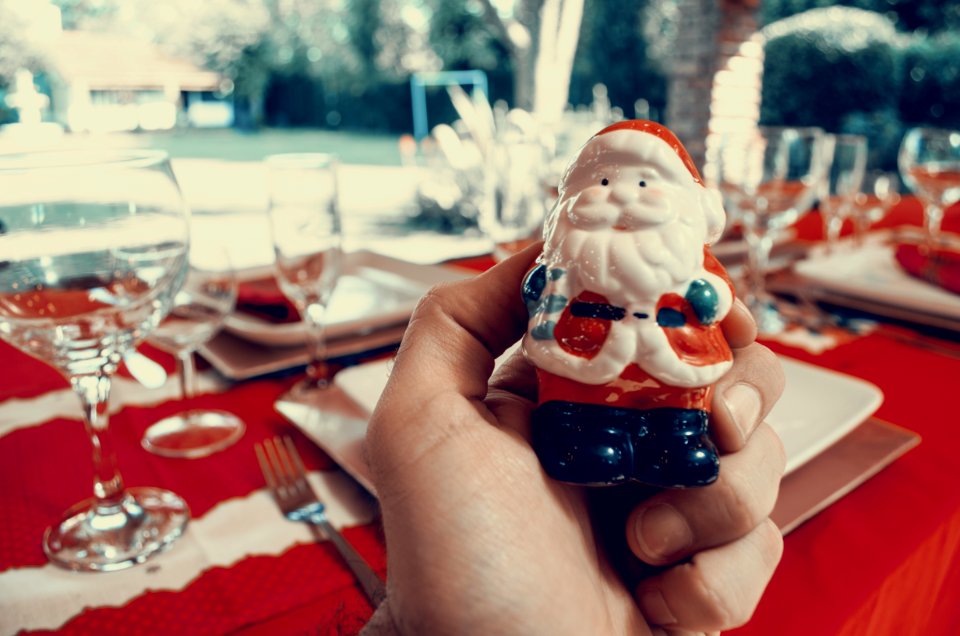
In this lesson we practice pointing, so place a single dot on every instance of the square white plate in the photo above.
(817, 408)
(373, 292)
(870, 279)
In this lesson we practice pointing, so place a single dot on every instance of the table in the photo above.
(883, 560)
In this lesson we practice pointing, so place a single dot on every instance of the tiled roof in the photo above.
(107, 61)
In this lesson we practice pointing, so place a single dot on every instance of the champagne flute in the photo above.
(845, 161)
(929, 162)
(305, 224)
(207, 297)
(771, 178)
(94, 251)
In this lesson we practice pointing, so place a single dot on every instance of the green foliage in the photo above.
(907, 15)
(15, 51)
(850, 71)
(461, 37)
(827, 63)
(883, 130)
(363, 22)
(83, 14)
(931, 91)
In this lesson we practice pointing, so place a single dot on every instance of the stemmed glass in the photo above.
(94, 250)
(879, 192)
(207, 297)
(770, 178)
(516, 203)
(929, 162)
(845, 160)
(305, 224)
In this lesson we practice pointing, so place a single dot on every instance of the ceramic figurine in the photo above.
(625, 308)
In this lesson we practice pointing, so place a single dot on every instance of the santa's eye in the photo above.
(604, 181)
(643, 184)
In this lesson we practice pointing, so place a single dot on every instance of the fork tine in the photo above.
(297, 469)
(284, 458)
(265, 467)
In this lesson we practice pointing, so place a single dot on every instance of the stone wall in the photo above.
(716, 73)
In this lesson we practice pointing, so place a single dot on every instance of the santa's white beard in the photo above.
(630, 267)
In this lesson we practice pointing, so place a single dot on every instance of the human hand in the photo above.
(480, 540)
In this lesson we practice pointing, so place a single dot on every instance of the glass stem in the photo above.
(932, 218)
(758, 260)
(187, 371)
(94, 392)
(317, 370)
(834, 224)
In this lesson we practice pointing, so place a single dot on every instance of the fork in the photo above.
(287, 479)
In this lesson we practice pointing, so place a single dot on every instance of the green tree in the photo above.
(461, 37)
(613, 51)
(931, 92)
(16, 49)
(363, 23)
(87, 14)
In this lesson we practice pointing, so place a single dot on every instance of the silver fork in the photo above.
(285, 475)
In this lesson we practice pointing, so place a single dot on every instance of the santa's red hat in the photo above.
(661, 132)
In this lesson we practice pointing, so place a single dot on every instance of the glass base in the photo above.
(769, 319)
(307, 388)
(193, 434)
(108, 538)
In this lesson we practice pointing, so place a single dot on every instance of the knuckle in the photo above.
(772, 370)
(436, 300)
(742, 506)
(771, 543)
(719, 609)
(777, 454)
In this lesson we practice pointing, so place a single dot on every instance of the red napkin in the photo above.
(939, 265)
(262, 298)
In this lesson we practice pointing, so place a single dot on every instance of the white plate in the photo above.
(817, 408)
(373, 292)
(733, 249)
(870, 278)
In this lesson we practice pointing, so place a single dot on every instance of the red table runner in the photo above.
(883, 560)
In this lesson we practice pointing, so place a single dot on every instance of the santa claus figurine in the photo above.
(625, 308)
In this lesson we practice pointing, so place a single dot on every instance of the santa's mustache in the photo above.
(631, 266)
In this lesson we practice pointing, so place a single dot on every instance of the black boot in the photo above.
(592, 444)
(672, 449)
(583, 443)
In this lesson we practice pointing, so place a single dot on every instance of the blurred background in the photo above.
(260, 76)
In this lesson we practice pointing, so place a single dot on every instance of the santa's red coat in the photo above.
(695, 343)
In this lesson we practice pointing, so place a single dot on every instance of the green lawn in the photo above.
(229, 144)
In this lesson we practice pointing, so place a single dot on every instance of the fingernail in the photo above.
(743, 402)
(655, 609)
(663, 531)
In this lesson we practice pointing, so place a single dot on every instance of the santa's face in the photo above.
(633, 224)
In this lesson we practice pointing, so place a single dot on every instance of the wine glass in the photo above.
(207, 297)
(929, 162)
(879, 192)
(771, 178)
(516, 202)
(94, 251)
(845, 161)
(305, 224)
